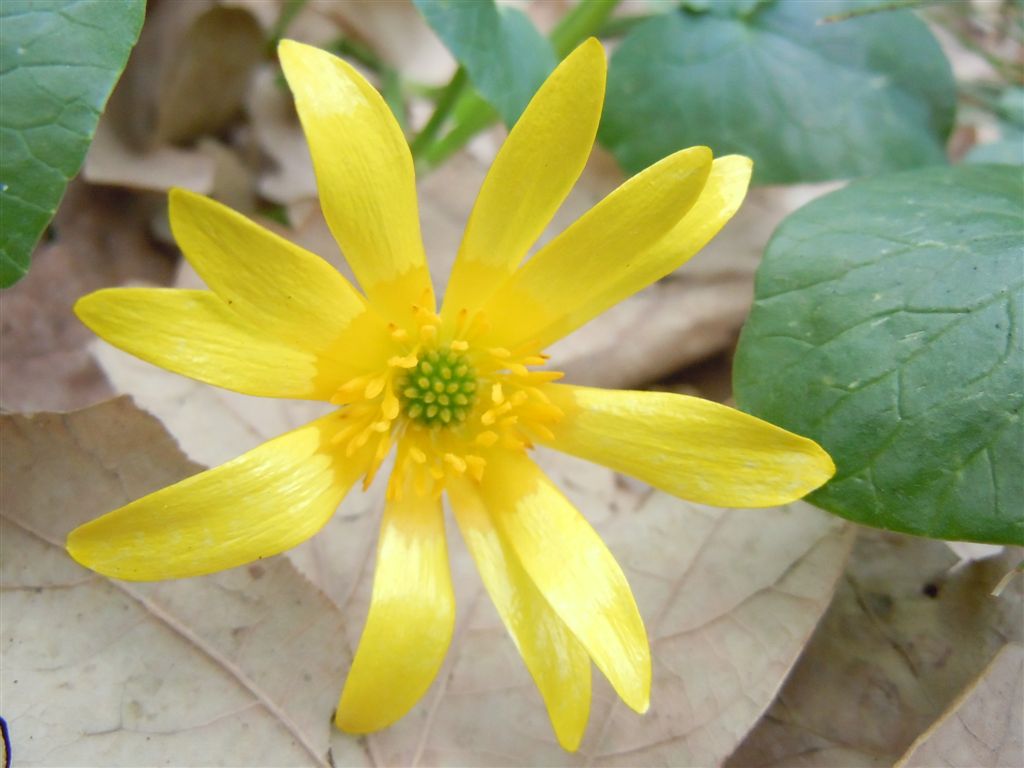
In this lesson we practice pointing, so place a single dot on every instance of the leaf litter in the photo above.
(240, 667)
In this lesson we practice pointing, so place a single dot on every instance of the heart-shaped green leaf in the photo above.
(807, 101)
(887, 326)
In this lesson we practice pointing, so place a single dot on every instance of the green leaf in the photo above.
(59, 60)
(887, 326)
(807, 102)
(506, 58)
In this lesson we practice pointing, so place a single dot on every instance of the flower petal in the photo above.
(197, 334)
(257, 505)
(557, 661)
(718, 202)
(536, 167)
(573, 569)
(555, 292)
(412, 615)
(364, 176)
(287, 292)
(692, 448)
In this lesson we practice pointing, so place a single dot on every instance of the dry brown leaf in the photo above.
(206, 73)
(395, 31)
(186, 79)
(985, 727)
(111, 160)
(275, 125)
(902, 639)
(188, 74)
(98, 238)
(240, 668)
(968, 551)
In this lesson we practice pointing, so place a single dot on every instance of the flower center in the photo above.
(439, 391)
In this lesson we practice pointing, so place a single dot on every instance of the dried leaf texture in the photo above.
(903, 637)
(241, 668)
(98, 239)
(985, 727)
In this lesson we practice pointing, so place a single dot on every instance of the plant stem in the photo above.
(620, 25)
(579, 24)
(478, 115)
(289, 11)
(447, 100)
(394, 97)
(892, 5)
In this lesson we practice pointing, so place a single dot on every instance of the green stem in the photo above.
(480, 115)
(617, 26)
(353, 49)
(394, 97)
(289, 11)
(893, 5)
(579, 24)
(445, 103)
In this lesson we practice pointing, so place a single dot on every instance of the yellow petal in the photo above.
(718, 202)
(554, 292)
(198, 334)
(288, 293)
(557, 661)
(573, 570)
(412, 614)
(262, 503)
(536, 167)
(364, 174)
(689, 447)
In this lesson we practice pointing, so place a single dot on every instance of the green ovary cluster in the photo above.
(440, 390)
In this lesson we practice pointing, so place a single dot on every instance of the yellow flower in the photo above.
(460, 393)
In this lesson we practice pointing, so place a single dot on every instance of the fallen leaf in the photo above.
(397, 33)
(903, 637)
(985, 727)
(188, 74)
(968, 551)
(113, 161)
(240, 668)
(207, 73)
(186, 79)
(275, 125)
(98, 238)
